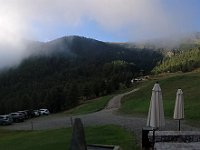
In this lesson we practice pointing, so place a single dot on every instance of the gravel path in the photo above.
(103, 117)
(115, 102)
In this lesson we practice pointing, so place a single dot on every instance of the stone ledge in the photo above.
(175, 136)
(176, 146)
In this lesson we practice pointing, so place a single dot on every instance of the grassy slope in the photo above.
(90, 106)
(95, 105)
(138, 102)
(59, 139)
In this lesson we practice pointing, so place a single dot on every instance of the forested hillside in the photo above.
(180, 60)
(63, 72)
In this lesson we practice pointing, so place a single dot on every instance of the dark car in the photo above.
(17, 117)
(30, 113)
(24, 113)
(6, 120)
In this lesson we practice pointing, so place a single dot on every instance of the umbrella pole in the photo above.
(179, 125)
(153, 137)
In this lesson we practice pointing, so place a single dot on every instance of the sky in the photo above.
(105, 20)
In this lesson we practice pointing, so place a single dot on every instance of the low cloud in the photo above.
(132, 19)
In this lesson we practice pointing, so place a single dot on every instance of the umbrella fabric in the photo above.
(156, 114)
(179, 105)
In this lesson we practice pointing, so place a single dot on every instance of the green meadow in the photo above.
(90, 106)
(138, 102)
(59, 139)
(94, 105)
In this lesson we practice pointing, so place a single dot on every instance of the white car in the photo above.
(44, 111)
(36, 113)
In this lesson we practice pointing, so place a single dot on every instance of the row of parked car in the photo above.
(20, 116)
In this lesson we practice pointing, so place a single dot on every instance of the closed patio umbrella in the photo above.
(155, 117)
(179, 106)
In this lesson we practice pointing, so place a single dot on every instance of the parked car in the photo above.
(44, 111)
(36, 113)
(24, 113)
(17, 117)
(6, 120)
(29, 113)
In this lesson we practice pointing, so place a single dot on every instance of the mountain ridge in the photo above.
(63, 72)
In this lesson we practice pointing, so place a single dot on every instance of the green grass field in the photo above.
(90, 106)
(59, 139)
(94, 105)
(138, 102)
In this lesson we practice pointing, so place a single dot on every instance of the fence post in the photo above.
(32, 125)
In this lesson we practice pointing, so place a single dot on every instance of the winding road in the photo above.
(103, 117)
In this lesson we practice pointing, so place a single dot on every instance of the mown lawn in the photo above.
(59, 139)
(138, 102)
(90, 106)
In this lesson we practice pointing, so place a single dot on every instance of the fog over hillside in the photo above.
(170, 42)
(131, 20)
